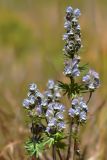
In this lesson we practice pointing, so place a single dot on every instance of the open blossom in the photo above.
(79, 109)
(61, 125)
(29, 102)
(26, 103)
(69, 10)
(77, 13)
(91, 80)
(50, 84)
(32, 87)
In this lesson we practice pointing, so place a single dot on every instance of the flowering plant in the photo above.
(52, 124)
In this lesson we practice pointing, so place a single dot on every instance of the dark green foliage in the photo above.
(72, 88)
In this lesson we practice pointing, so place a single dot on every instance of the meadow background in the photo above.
(31, 51)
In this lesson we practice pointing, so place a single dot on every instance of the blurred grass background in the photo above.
(31, 51)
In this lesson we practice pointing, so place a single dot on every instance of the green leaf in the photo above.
(34, 148)
(59, 136)
(39, 148)
(49, 141)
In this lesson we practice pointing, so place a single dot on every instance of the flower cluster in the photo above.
(52, 93)
(72, 39)
(72, 36)
(91, 80)
(33, 101)
(79, 110)
(71, 67)
(55, 109)
(55, 117)
(46, 104)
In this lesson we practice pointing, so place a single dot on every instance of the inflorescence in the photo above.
(45, 110)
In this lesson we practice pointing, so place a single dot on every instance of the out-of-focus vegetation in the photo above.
(31, 51)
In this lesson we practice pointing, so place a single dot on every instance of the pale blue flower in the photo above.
(31, 100)
(65, 36)
(52, 122)
(51, 105)
(79, 109)
(26, 103)
(91, 80)
(71, 112)
(77, 13)
(83, 105)
(78, 27)
(48, 129)
(75, 102)
(51, 84)
(67, 25)
(57, 92)
(79, 102)
(39, 110)
(69, 10)
(59, 106)
(71, 68)
(61, 125)
(32, 87)
(59, 115)
(83, 116)
(50, 113)
(48, 94)
(38, 94)
(54, 115)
